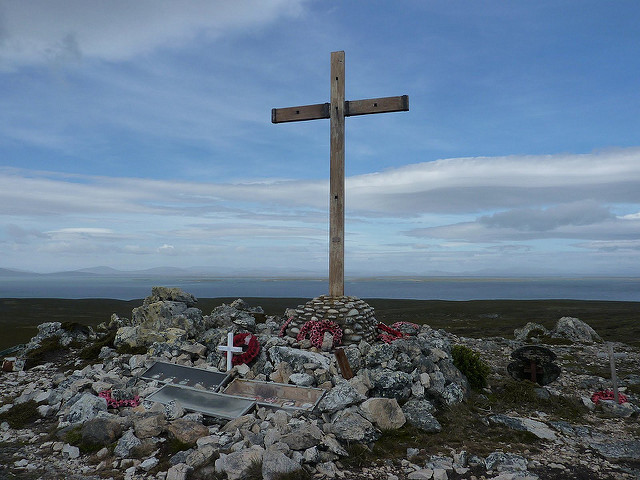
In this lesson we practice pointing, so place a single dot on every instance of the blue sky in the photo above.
(137, 134)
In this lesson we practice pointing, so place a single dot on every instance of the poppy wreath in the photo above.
(316, 328)
(390, 334)
(608, 395)
(245, 340)
(115, 403)
(284, 326)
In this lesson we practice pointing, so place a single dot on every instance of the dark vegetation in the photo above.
(21, 414)
(614, 321)
(470, 363)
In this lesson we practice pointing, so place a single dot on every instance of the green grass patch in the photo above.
(49, 350)
(21, 414)
(92, 351)
(522, 397)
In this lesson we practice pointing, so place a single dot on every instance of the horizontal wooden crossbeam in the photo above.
(376, 105)
(351, 109)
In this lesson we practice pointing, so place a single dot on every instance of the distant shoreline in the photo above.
(86, 285)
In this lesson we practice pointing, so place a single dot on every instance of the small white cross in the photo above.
(230, 349)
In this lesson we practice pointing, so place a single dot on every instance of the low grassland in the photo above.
(614, 321)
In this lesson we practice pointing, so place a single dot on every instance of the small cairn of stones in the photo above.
(355, 317)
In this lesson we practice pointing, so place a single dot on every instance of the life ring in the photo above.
(245, 340)
(316, 328)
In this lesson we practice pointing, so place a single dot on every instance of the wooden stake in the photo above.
(336, 174)
(343, 363)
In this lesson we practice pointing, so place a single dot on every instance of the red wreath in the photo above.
(113, 403)
(284, 326)
(608, 395)
(390, 335)
(316, 329)
(252, 345)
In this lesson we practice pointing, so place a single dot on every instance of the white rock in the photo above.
(70, 451)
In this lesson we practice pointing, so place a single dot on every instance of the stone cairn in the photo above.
(354, 316)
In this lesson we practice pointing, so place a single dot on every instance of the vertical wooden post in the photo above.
(336, 202)
(343, 363)
(614, 376)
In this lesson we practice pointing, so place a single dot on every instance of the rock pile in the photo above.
(404, 382)
(354, 316)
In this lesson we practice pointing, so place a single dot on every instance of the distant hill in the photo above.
(7, 272)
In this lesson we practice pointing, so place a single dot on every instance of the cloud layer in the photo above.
(42, 31)
(588, 203)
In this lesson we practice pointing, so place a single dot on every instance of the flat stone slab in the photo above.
(208, 403)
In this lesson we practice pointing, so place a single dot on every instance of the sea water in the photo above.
(421, 288)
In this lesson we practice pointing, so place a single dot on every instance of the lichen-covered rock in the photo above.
(506, 462)
(418, 414)
(530, 330)
(237, 464)
(302, 436)
(340, 397)
(101, 431)
(126, 444)
(391, 384)
(86, 408)
(297, 357)
(385, 413)
(575, 330)
(350, 426)
(276, 463)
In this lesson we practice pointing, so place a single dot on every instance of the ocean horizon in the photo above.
(130, 287)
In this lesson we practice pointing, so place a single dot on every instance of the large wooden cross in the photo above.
(336, 111)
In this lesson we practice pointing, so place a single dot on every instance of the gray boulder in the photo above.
(276, 463)
(539, 429)
(237, 464)
(340, 397)
(385, 413)
(391, 384)
(350, 426)
(126, 444)
(531, 329)
(297, 357)
(302, 436)
(86, 408)
(575, 330)
(506, 462)
(418, 414)
(160, 294)
(101, 431)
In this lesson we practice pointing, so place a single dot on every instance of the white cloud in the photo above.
(59, 31)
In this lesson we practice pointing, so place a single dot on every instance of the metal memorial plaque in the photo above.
(276, 395)
(208, 403)
(185, 376)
